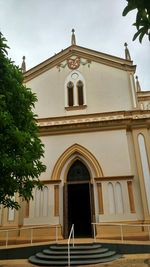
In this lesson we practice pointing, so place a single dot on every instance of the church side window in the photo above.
(70, 88)
(80, 92)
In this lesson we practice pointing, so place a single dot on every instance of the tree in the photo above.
(20, 147)
(142, 22)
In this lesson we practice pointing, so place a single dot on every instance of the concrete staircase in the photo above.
(80, 254)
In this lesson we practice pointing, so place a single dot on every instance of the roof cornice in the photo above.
(95, 122)
(86, 53)
(143, 95)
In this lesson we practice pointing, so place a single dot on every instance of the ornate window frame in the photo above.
(75, 77)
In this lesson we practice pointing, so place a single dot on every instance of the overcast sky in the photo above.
(40, 28)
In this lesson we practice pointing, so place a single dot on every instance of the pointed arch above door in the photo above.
(85, 153)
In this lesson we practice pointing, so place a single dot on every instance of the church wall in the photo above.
(109, 147)
(41, 210)
(136, 182)
(114, 151)
(117, 188)
(142, 151)
(107, 89)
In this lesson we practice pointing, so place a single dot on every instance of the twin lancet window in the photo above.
(71, 87)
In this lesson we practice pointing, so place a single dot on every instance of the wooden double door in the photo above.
(78, 208)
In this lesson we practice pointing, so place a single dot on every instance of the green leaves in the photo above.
(142, 22)
(131, 6)
(20, 148)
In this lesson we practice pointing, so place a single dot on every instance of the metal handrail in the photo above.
(121, 228)
(7, 231)
(69, 239)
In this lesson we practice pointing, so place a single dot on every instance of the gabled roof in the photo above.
(82, 52)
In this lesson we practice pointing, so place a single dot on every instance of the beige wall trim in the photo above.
(76, 107)
(56, 200)
(76, 148)
(44, 131)
(51, 182)
(100, 198)
(94, 122)
(103, 116)
(143, 95)
(133, 90)
(131, 197)
(94, 126)
(145, 133)
(108, 178)
(26, 209)
(144, 98)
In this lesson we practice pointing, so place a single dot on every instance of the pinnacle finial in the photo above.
(127, 53)
(73, 38)
(138, 87)
(23, 65)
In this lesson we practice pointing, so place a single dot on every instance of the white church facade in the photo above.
(94, 123)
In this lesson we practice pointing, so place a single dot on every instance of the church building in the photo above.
(94, 122)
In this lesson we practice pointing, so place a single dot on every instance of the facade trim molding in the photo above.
(51, 182)
(82, 52)
(110, 178)
(95, 122)
(76, 148)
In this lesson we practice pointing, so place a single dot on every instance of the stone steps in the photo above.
(80, 254)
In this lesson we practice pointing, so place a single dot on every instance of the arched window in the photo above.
(75, 93)
(70, 88)
(119, 198)
(80, 92)
(111, 196)
(78, 172)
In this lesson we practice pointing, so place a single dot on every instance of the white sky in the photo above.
(40, 28)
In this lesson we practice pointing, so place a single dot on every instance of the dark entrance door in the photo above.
(77, 199)
(79, 209)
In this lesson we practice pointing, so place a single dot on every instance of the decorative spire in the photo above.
(23, 65)
(127, 53)
(73, 38)
(138, 87)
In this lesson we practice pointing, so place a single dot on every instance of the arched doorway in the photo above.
(78, 200)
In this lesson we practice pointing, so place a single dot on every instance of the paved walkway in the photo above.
(134, 260)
